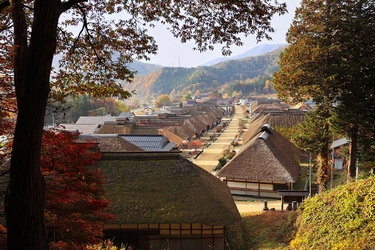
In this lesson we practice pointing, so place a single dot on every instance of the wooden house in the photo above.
(163, 201)
(268, 162)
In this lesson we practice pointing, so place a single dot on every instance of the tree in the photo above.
(75, 203)
(78, 106)
(304, 72)
(187, 96)
(214, 95)
(196, 144)
(331, 64)
(162, 100)
(33, 31)
(312, 136)
(110, 105)
(354, 114)
(8, 109)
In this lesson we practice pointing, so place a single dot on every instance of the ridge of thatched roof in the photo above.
(115, 129)
(253, 128)
(180, 131)
(273, 158)
(110, 143)
(171, 136)
(198, 123)
(163, 187)
(82, 128)
(276, 120)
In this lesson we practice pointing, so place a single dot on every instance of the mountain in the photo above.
(207, 78)
(256, 51)
(143, 68)
(140, 67)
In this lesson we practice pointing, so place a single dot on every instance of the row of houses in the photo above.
(177, 124)
(163, 200)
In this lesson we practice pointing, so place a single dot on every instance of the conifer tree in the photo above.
(330, 60)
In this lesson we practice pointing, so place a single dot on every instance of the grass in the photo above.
(263, 231)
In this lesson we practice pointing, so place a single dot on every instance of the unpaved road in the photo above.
(256, 206)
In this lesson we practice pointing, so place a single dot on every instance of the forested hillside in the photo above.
(251, 74)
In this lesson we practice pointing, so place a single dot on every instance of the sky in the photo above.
(173, 53)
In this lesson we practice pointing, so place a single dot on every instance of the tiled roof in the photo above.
(150, 142)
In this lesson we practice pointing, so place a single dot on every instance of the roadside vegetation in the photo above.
(343, 218)
(263, 230)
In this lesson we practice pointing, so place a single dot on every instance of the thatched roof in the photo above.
(253, 128)
(276, 120)
(266, 157)
(82, 128)
(95, 119)
(171, 136)
(110, 143)
(164, 187)
(115, 129)
(182, 132)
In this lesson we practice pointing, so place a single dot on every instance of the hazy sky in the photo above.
(173, 53)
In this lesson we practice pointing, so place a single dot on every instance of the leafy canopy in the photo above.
(75, 202)
(330, 60)
(96, 39)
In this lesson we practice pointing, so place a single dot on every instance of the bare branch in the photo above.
(67, 5)
(4, 4)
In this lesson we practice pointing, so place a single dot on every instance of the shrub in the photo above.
(343, 218)
(222, 161)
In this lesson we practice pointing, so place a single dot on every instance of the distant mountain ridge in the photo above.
(206, 78)
(143, 68)
(256, 51)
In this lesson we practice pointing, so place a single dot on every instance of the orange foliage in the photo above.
(196, 144)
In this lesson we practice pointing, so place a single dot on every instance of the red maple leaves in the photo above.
(75, 202)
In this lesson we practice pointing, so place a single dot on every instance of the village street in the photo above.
(208, 160)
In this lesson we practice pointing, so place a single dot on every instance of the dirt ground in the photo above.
(208, 160)
(257, 206)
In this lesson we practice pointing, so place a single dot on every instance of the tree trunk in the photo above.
(323, 173)
(24, 204)
(353, 153)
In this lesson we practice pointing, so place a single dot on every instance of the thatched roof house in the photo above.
(109, 143)
(265, 164)
(171, 137)
(160, 197)
(278, 120)
(185, 123)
